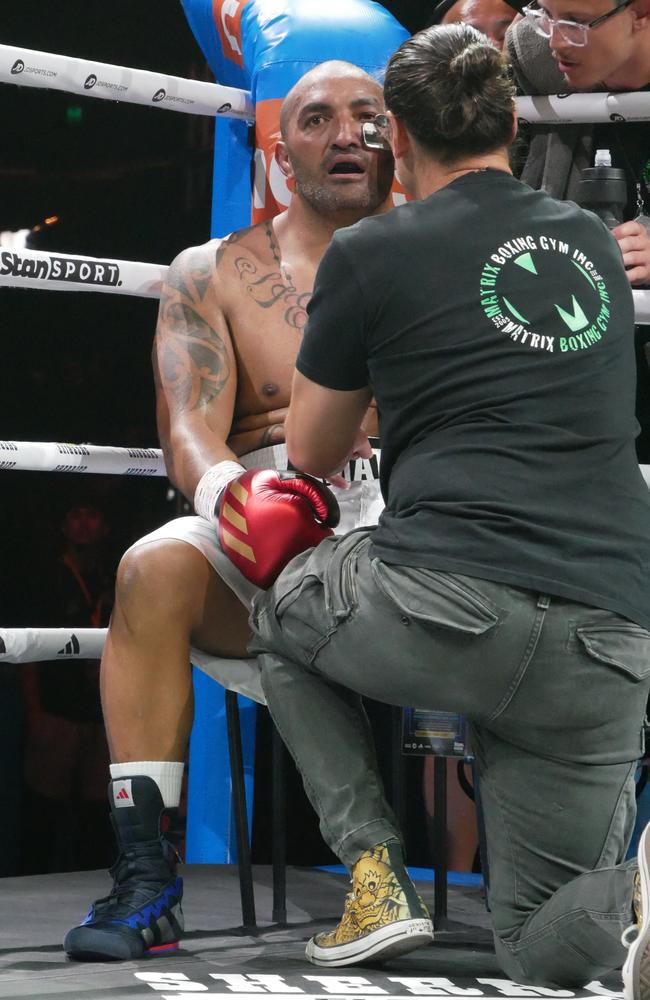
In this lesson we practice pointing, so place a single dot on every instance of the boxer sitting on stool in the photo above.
(230, 323)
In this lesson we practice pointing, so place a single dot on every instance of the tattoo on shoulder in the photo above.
(230, 241)
(194, 363)
(192, 276)
(265, 289)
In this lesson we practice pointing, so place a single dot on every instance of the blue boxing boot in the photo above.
(142, 913)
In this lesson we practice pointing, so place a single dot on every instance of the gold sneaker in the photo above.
(636, 971)
(383, 916)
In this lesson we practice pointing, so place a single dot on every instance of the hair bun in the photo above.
(473, 67)
(449, 86)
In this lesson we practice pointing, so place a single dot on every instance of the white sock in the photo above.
(167, 774)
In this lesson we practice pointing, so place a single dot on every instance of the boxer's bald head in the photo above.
(321, 150)
(325, 74)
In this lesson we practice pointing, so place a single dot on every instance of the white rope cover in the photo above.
(34, 645)
(66, 272)
(30, 645)
(27, 645)
(49, 456)
(30, 68)
(73, 273)
(641, 298)
(584, 108)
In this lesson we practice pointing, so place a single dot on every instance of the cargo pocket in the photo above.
(621, 644)
(440, 599)
(301, 615)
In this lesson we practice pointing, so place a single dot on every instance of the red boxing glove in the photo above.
(267, 517)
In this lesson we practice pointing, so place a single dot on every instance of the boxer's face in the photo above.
(609, 49)
(323, 154)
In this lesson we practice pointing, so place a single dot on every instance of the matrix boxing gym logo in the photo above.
(20, 67)
(526, 274)
(51, 268)
(90, 82)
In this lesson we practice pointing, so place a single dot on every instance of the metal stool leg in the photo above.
(398, 769)
(482, 839)
(279, 813)
(440, 841)
(241, 816)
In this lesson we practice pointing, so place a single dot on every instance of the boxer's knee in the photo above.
(162, 582)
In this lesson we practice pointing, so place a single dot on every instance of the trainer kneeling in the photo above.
(507, 578)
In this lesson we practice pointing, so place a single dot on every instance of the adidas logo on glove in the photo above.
(267, 517)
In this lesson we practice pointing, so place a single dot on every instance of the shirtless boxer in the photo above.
(230, 322)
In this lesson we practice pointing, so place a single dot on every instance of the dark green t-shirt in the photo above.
(494, 325)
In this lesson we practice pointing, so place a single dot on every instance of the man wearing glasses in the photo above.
(592, 45)
(589, 45)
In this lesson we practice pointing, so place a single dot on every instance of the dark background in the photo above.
(126, 182)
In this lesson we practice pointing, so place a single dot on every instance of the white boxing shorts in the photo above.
(360, 504)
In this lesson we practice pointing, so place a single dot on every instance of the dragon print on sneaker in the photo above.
(383, 915)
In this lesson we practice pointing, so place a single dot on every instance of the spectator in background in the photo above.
(589, 45)
(66, 824)
(492, 17)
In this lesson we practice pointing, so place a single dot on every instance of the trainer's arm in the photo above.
(322, 425)
(195, 370)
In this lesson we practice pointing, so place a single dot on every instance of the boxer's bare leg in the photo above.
(168, 597)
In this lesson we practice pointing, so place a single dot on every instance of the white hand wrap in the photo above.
(210, 486)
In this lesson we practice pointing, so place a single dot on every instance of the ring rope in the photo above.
(50, 456)
(66, 272)
(34, 645)
(30, 68)
(583, 108)
(29, 645)
(74, 273)
(641, 298)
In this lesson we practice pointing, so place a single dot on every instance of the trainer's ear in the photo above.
(399, 136)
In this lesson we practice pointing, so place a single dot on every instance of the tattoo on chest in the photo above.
(265, 289)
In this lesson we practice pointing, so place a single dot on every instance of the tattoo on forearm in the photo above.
(275, 286)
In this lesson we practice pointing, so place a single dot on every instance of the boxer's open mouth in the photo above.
(346, 167)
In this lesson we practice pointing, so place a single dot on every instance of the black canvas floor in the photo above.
(218, 959)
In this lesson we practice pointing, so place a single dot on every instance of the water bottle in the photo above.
(603, 189)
